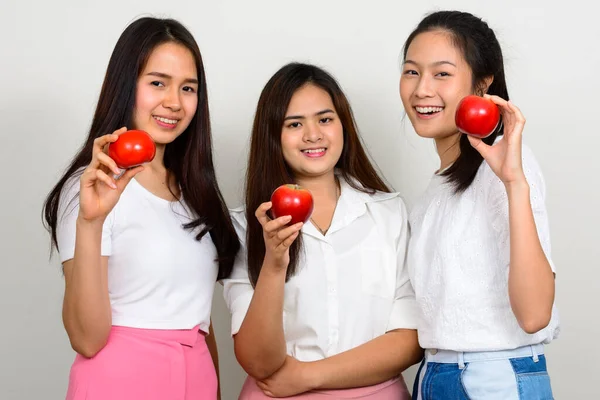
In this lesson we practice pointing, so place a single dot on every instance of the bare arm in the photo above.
(530, 279)
(369, 364)
(260, 344)
(86, 306)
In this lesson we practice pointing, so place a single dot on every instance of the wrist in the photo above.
(89, 224)
(312, 375)
(517, 186)
(274, 266)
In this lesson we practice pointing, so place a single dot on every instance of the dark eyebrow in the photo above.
(327, 110)
(435, 64)
(166, 76)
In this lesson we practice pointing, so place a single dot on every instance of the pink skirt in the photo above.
(394, 389)
(146, 364)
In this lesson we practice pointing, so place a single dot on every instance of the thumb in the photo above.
(479, 145)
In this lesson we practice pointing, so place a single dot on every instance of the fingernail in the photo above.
(288, 218)
(112, 185)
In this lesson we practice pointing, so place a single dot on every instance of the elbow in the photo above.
(88, 345)
(87, 348)
(534, 325)
(258, 366)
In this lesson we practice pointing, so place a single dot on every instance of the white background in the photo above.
(53, 58)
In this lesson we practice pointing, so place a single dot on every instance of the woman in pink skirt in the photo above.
(323, 309)
(142, 248)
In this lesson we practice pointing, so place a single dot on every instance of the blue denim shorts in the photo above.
(518, 374)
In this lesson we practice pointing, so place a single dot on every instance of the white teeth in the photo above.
(425, 110)
(166, 121)
(314, 150)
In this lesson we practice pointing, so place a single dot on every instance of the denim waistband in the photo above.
(459, 357)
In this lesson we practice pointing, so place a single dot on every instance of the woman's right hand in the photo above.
(277, 235)
(99, 192)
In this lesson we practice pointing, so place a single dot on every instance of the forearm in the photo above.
(531, 281)
(371, 363)
(260, 343)
(86, 309)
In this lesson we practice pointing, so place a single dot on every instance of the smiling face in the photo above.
(435, 78)
(312, 136)
(167, 93)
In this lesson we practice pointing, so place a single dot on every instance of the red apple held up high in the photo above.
(292, 200)
(477, 116)
(132, 148)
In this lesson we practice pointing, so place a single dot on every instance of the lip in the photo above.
(164, 124)
(427, 116)
(314, 154)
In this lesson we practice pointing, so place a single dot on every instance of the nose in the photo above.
(312, 133)
(424, 88)
(172, 99)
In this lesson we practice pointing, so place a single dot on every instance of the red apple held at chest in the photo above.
(132, 148)
(477, 116)
(292, 200)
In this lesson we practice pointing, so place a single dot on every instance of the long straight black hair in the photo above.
(188, 158)
(482, 52)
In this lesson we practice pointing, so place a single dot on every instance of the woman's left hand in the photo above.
(291, 379)
(504, 157)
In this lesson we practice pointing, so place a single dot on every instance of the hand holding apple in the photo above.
(132, 148)
(99, 192)
(477, 116)
(292, 200)
(505, 156)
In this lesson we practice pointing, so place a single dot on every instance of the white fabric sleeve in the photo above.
(404, 314)
(237, 289)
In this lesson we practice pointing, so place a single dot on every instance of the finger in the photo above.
(288, 242)
(108, 162)
(124, 180)
(283, 234)
(103, 140)
(88, 177)
(119, 131)
(101, 176)
(479, 145)
(261, 213)
(518, 115)
(273, 226)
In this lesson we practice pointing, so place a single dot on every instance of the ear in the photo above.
(484, 85)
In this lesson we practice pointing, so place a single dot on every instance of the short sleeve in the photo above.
(404, 314)
(499, 207)
(68, 210)
(237, 289)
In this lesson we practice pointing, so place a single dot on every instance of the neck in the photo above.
(155, 170)
(324, 187)
(448, 149)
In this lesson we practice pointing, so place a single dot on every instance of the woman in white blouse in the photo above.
(326, 308)
(479, 255)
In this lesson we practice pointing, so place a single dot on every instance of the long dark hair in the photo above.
(482, 52)
(267, 168)
(188, 158)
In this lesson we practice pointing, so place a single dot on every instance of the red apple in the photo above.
(292, 200)
(132, 148)
(477, 116)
